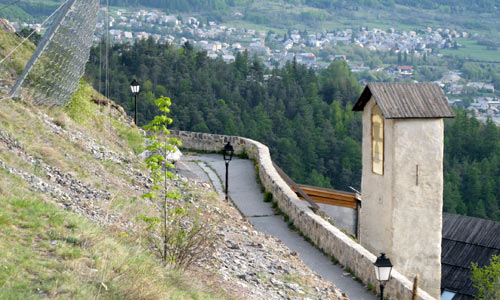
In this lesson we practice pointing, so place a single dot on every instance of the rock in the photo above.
(5, 24)
(171, 156)
(242, 276)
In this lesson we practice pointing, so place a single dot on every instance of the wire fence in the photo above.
(53, 72)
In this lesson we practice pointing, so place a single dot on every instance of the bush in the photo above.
(487, 279)
(268, 197)
(183, 237)
(80, 109)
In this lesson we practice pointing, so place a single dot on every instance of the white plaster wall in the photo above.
(417, 209)
(398, 216)
(376, 206)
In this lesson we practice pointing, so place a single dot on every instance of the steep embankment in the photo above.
(70, 205)
(70, 189)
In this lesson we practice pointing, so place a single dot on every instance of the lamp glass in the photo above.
(383, 273)
(134, 87)
(383, 267)
(228, 151)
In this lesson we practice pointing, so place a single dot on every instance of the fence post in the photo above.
(415, 288)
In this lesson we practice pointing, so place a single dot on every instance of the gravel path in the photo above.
(247, 195)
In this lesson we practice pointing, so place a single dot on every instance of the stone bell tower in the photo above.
(402, 177)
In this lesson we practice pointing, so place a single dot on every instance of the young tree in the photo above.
(180, 235)
(487, 279)
(159, 166)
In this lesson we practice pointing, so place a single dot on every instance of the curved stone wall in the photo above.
(324, 235)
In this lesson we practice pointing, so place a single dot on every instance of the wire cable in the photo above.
(107, 50)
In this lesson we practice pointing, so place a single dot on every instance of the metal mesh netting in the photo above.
(52, 74)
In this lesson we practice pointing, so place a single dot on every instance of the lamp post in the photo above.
(227, 152)
(383, 268)
(134, 87)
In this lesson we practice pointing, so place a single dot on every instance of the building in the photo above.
(402, 177)
(405, 70)
(228, 58)
(307, 57)
(340, 57)
(465, 240)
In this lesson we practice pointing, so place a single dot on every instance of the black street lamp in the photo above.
(227, 152)
(134, 87)
(383, 268)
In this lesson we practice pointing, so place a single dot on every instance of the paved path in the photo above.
(248, 197)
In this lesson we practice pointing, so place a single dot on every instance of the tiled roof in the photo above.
(406, 100)
(466, 240)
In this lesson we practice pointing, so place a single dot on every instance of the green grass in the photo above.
(23, 123)
(472, 50)
(18, 59)
(131, 135)
(48, 252)
(80, 109)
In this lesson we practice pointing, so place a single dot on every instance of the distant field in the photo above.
(281, 16)
(473, 51)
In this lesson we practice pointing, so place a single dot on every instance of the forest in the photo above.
(303, 115)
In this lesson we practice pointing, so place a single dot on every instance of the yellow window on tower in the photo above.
(377, 141)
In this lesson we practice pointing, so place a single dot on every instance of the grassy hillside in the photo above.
(305, 14)
(282, 14)
(70, 187)
(27, 10)
(15, 63)
(48, 250)
(473, 51)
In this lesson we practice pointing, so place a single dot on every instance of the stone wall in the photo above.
(324, 235)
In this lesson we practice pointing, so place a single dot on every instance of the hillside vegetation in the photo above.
(28, 11)
(278, 15)
(64, 173)
(304, 117)
(70, 192)
(15, 64)
(71, 218)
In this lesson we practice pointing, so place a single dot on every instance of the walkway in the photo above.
(247, 195)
